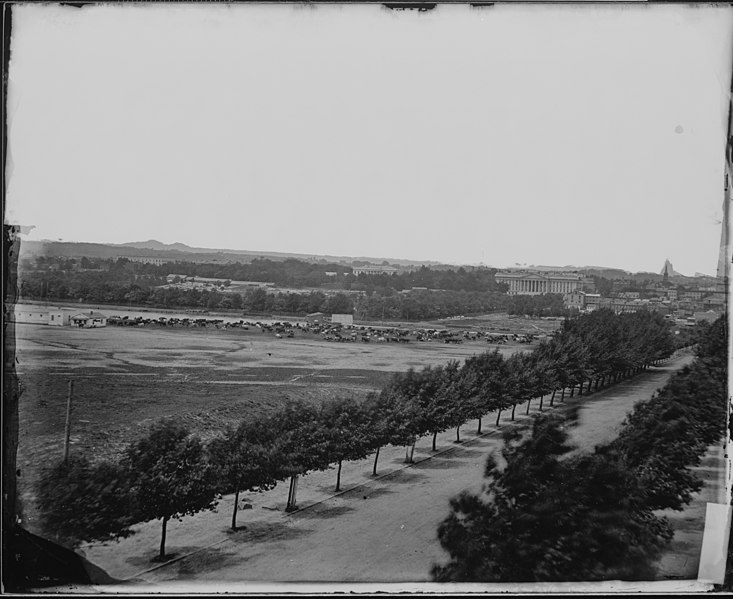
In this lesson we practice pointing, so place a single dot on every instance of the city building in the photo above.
(536, 283)
(374, 270)
(709, 316)
(715, 301)
(344, 319)
(593, 301)
(60, 317)
(30, 314)
(89, 320)
(575, 300)
(147, 260)
(630, 295)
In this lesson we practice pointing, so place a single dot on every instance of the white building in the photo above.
(89, 320)
(147, 260)
(30, 314)
(60, 317)
(374, 270)
(344, 319)
(536, 283)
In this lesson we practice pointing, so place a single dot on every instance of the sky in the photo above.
(516, 134)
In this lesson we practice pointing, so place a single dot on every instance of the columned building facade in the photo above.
(528, 283)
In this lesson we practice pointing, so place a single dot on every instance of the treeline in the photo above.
(120, 282)
(478, 279)
(283, 273)
(431, 304)
(552, 514)
(548, 304)
(60, 278)
(170, 473)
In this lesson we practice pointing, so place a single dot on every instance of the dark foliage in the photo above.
(80, 501)
(542, 518)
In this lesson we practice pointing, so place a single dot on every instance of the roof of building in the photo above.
(91, 314)
(538, 275)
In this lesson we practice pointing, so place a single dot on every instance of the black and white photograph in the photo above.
(332, 297)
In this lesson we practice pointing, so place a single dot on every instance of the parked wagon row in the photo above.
(331, 332)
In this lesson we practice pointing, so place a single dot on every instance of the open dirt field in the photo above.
(127, 377)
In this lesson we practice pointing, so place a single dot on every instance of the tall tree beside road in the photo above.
(81, 501)
(545, 518)
(172, 477)
(246, 459)
(433, 398)
(409, 420)
(517, 384)
(485, 383)
(303, 442)
(665, 435)
(349, 432)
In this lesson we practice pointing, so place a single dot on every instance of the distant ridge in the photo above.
(153, 244)
(180, 251)
(185, 253)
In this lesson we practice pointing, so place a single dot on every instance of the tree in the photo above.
(350, 436)
(82, 501)
(454, 395)
(302, 442)
(543, 518)
(172, 477)
(246, 459)
(396, 420)
(484, 377)
(409, 421)
(381, 411)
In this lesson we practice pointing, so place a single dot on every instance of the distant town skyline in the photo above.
(515, 134)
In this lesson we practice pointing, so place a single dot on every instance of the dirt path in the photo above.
(382, 530)
(600, 420)
(681, 560)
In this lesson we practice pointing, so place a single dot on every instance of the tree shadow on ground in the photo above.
(323, 511)
(476, 441)
(150, 559)
(403, 476)
(364, 493)
(460, 451)
(265, 532)
(439, 464)
(330, 488)
(206, 560)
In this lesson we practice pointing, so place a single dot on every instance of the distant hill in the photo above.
(589, 271)
(183, 252)
(152, 244)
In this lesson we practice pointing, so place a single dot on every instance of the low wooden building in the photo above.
(89, 320)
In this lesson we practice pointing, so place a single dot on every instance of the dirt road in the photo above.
(382, 530)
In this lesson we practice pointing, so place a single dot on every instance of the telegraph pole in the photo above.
(68, 421)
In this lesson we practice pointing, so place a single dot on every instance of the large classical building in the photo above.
(374, 270)
(537, 283)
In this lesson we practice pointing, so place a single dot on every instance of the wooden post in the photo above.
(67, 432)
(291, 505)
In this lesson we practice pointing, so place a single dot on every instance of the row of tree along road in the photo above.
(170, 473)
(552, 514)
